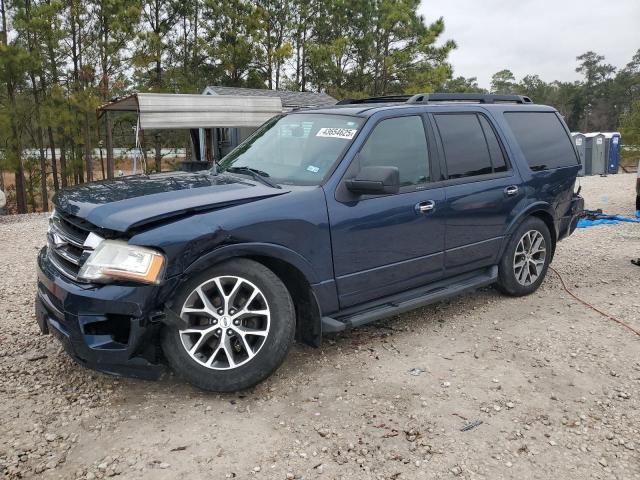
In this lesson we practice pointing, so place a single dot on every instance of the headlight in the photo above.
(117, 260)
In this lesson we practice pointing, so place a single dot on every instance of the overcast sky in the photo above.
(535, 36)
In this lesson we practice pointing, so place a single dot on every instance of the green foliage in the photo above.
(382, 47)
(503, 82)
(594, 70)
(630, 125)
(14, 63)
(595, 104)
(462, 85)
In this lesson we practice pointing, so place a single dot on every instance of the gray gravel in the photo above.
(547, 387)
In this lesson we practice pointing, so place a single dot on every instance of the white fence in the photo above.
(128, 153)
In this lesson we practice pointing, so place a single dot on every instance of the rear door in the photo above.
(482, 190)
(385, 244)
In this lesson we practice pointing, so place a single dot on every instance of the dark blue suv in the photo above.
(323, 220)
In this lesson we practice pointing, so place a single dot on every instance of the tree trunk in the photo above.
(88, 154)
(269, 54)
(385, 70)
(40, 139)
(54, 161)
(185, 47)
(63, 165)
(21, 197)
(298, 52)
(75, 49)
(158, 156)
(54, 81)
(52, 146)
(36, 100)
(14, 142)
(32, 194)
(109, 144)
(104, 60)
(195, 53)
(143, 147)
(159, 52)
(303, 69)
(79, 166)
(102, 164)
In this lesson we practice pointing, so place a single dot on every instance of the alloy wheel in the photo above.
(529, 257)
(228, 320)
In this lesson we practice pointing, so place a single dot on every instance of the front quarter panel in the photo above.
(294, 224)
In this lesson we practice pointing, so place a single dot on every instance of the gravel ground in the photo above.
(555, 385)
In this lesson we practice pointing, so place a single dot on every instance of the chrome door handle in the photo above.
(426, 207)
(511, 191)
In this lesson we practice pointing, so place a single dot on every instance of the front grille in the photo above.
(66, 243)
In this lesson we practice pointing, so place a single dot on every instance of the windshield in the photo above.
(295, 149)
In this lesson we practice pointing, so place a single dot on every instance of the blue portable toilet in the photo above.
(580, 142)
(612, 150)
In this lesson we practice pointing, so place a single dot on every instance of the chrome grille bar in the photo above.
(57, 226)
(66, 244)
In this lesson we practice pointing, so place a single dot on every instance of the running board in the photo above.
(411, 300)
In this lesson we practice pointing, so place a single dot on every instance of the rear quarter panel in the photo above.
(547, 190)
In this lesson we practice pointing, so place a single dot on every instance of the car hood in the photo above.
(131, 202)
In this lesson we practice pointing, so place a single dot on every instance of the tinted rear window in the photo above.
(465, 147)
(542, 139)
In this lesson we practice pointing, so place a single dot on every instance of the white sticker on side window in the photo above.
(346, 133)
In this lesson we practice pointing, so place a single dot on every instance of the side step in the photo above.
(416, 298)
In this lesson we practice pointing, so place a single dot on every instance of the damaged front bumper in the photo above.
(110, 328)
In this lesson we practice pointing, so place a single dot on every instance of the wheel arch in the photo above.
(542, 211)
(308, 318)
(295, 272)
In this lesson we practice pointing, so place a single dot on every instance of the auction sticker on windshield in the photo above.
(346, 133)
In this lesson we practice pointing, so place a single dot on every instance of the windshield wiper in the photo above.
(255, 174)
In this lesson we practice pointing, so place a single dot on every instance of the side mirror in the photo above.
(375, 181)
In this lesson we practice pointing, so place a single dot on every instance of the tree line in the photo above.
(59, 60)
(596, 103)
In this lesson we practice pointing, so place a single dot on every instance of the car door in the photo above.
(384, 244)
(482, 190)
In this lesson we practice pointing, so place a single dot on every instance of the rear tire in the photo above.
(526, 259)
(241, 324)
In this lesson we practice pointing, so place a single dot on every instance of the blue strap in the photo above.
(612, 220)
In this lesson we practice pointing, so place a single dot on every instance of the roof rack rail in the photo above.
(382, 99)
(468, 97)
(424, 98)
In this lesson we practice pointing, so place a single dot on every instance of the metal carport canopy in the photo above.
(163, 111)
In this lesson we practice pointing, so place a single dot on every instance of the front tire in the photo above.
(240, 325)
(526, 259)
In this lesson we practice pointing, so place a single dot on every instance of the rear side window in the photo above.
(542, 139)
(465, 147)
